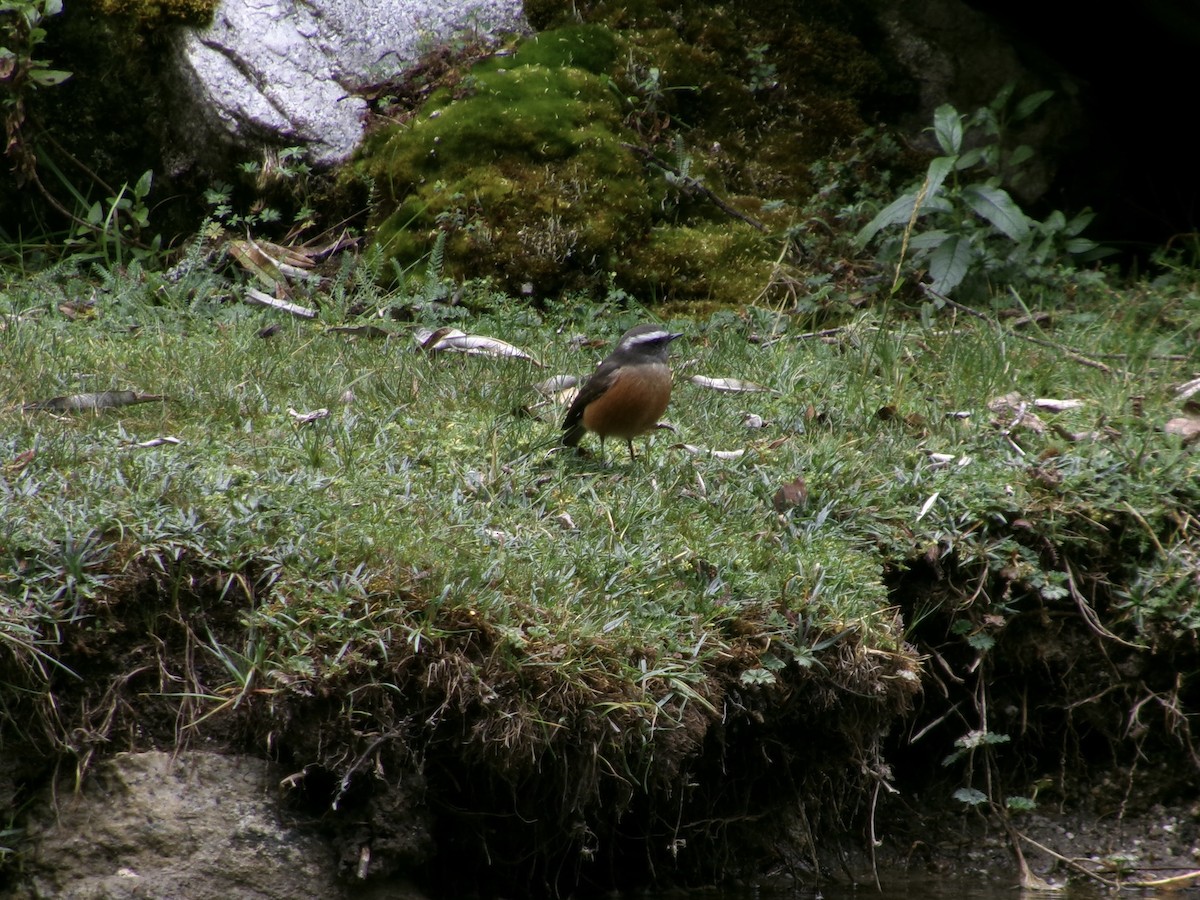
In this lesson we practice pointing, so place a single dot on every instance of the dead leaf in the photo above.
(704, 451)
(730, 385)
(20, 461)
(453, 340)
(1188, 389)
(556, 384)
(1057, 405)
(1013, 412)
(306, 418)
(791, 495)
(257, 297)
(100, 400)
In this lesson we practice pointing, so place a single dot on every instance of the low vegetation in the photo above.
(319, 536)
(933, 503)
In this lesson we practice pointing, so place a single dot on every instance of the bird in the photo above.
(628, 391)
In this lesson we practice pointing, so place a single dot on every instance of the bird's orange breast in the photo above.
(633, 403)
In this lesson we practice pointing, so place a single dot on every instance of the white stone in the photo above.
(285, 71)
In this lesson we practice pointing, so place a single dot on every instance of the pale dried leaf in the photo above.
(704, 451)
(730, 385)
(260, 299)
(100, 400)
(453, 340)
(1057, 405)
(556, 384)
(1188, 389)
(1013, 412)
(157, 442)
(256, 261)
(305, 418)
(928, 505)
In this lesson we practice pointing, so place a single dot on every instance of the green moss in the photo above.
(522, 170)
(161, 12)
(526, 175)
(717, 261)
(592, 48)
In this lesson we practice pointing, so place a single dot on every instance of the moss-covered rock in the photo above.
(525, 175)
(595, 150)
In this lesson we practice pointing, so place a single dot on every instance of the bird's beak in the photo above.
(674, 335)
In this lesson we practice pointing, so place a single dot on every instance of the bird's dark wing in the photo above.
(599, 382)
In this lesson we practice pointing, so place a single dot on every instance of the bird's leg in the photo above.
(629, 441)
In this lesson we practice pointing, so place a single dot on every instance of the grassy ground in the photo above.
(423, 577)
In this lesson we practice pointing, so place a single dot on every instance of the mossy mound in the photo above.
(526, 177)
(594, 155)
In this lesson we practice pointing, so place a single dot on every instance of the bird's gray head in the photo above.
(647, 341)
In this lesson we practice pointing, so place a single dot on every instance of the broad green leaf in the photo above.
(947, 128)
(970, 796)
(1003, 96)
(935, 175)
(950, 262)
(48, 77)
(899, 210)
(972, 157)
(982, 641)
(142, 188)
(1021, 154)
(1079, 245)
(928, 240)
(995, 205)
(1031, 104)
(1080, 222)
(1056, 221)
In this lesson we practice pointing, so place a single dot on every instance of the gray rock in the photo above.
(283, 72)
(196, 825)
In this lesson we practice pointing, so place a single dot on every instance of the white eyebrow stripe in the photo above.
(650, 337)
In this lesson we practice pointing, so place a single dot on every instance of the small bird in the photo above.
(628, 391)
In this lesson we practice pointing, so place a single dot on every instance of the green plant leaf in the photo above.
(995, 205)
(970, 796)
(1020, 155)
(1020, 804)
(948, 128)
(950, 262)
(1080, 222)
(928, 240)
(1031, 104)
(972, 157)
(899, 210)
(935, 175)
(982, 641)
(142, 188)
(48, 77)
